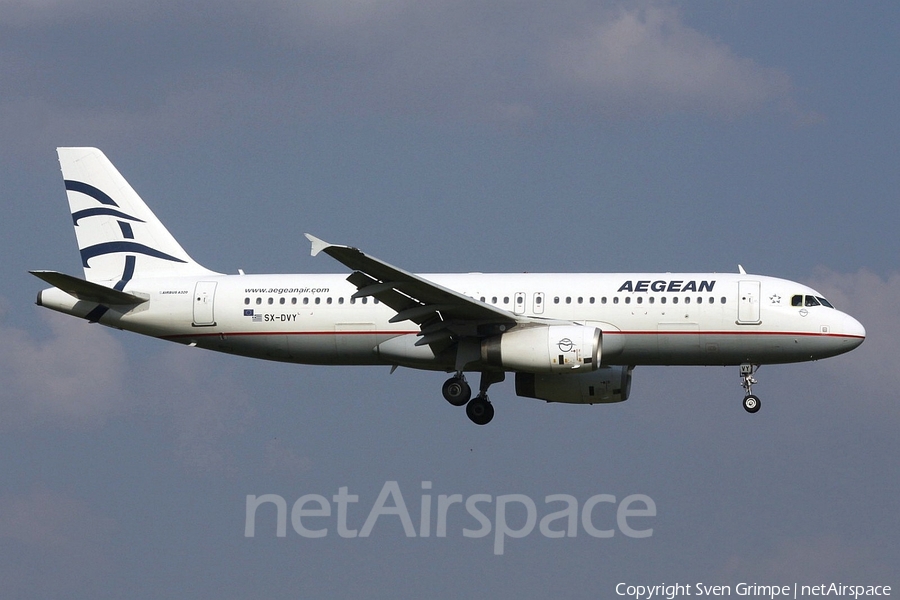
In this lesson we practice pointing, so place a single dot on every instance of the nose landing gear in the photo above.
(751, 401)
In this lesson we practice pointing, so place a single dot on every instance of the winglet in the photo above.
(317, 244)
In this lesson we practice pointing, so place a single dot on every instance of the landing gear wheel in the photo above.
(751, 403)
(456, 391)
(479, 410)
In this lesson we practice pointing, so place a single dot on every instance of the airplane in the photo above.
(566, 337)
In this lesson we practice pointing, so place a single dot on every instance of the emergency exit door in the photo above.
(748, 302)
(204, 297)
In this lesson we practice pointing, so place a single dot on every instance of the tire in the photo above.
(456, 391)
(751, 403)
(480, 411)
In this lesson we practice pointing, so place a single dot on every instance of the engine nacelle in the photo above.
(544, 349)
(606, 384)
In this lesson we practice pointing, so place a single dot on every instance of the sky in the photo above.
(450, 137)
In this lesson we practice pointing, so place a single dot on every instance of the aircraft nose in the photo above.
(854, 332)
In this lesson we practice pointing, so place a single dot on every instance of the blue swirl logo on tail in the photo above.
(106, 210)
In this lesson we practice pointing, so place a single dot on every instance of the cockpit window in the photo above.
(800, 300)
(825, 302)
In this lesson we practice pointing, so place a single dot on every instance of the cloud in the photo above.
(71, 379)
(206, 406)
(870, 372)
(648, 61)
(811, 561)
(178, 68)
(80, 376)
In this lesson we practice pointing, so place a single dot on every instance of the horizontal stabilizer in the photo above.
(87, 291)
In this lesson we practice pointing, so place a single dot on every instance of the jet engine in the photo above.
(605, 385)
(544, 349)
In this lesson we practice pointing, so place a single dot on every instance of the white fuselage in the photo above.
(646, 319)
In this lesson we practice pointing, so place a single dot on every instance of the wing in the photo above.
(443, 315)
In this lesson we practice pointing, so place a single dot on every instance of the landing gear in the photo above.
(479, 409)
(456, 391)
(751, 402)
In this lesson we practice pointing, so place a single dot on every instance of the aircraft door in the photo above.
(748, 303)
(204, 296)
(519, 303)
(538, 305)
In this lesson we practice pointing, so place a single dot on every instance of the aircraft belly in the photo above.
(688, 347)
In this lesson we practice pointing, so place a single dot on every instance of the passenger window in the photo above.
(539, 300)
(293, 300)
(616, 300)
(687, 300)
(723, 299)
(318, 300)
(520, 300)
(505, 299)
(591, 300)
(246, 300)
(662, 300)
(640, 299)
(281, 301)
(341, 300)
(271, 300)
(797, 300)
(675, 300)
(603, 300)
(306, 301)
(494, 300)
(568, 299)
(556, 300)
(580, 300)
(652, 299)
(627, 299)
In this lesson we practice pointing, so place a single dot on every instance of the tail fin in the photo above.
(119, 237)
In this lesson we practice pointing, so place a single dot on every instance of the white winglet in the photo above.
(317, 244)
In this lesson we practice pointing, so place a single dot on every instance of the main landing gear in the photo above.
(751, 402)
(479, 409)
